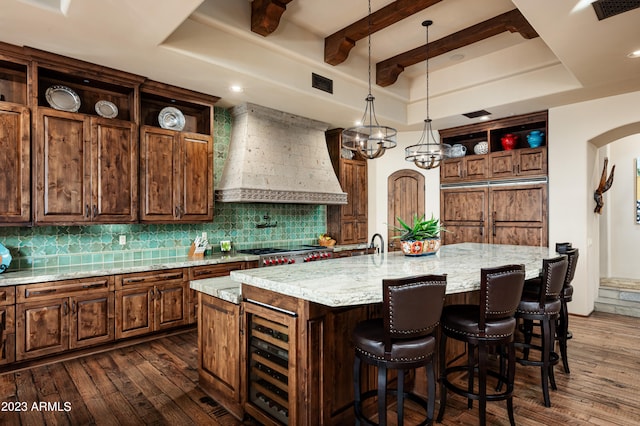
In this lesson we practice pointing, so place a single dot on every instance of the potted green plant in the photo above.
(421, 237)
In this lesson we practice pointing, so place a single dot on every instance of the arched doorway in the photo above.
(405, 197)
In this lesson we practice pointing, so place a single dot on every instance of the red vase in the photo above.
(509, 141)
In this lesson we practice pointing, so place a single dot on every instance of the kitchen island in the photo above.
(295, 353)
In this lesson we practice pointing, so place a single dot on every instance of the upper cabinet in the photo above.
(86, 142)
(348, 223)
(15, 139)
(176, 155)
(523, 153)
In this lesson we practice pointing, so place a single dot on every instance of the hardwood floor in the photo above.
(155, 383)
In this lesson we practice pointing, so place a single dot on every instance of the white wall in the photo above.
(619, 233)
(379, 171)
(574, 174)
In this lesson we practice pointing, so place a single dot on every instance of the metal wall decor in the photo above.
(605, 184)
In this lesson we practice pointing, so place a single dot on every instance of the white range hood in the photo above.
(277, 157)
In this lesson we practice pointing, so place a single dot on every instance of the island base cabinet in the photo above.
(219, 341)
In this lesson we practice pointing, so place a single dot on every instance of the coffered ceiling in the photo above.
(504, 56)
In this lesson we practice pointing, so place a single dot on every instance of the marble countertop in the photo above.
(358, 280)
(221, 287)
(39, 275)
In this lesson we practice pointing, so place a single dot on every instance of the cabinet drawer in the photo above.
(7, 295)
(129, 280)
(212, 271)
(63, 288)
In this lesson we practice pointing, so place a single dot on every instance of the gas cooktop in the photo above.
(273, 250)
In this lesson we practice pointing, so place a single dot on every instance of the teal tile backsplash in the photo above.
(52, 246)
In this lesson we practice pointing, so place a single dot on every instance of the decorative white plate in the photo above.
(106, 109)
(62, 98)
(171, 118)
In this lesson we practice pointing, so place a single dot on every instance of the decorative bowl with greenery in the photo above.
(421, 237)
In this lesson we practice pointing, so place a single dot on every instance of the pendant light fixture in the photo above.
(427, 153)
(368, 137)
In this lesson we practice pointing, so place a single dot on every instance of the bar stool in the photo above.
(543, 308)
(402, 339)
(488, 325)
(531, 288)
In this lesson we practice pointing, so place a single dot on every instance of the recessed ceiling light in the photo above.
(484, 118)
(634, 54)
(457, 57)
(236, 88)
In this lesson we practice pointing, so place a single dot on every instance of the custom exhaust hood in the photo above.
(277, 157)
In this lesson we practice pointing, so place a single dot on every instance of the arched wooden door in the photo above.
(405, 198)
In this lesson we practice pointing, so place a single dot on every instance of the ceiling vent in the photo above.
(607, 8)
(476, 114)
(321, 83)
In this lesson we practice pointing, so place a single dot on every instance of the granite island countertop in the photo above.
(358, 280)
(39, 275)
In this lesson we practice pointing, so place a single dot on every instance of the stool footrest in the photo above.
(497, 396)
(408, 395)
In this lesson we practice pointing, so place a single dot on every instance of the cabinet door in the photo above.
(452, 170)
(92, 320)
(115, 171)
(134, 311)
(42, 328)
(219, 350)
(349, 180)
(475, 167)
(62, 168)
(532, 161)
(7, 334)
(170, 304)
(463, 212)
(360, 193)
(157, 178)
(503, 164)
(195, 165)
(15, 165)
(519, 215)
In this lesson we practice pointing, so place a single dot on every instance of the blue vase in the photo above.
(5, 258)
(534, 138)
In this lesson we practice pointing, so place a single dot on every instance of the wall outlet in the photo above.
(123, 240)
(204, 235)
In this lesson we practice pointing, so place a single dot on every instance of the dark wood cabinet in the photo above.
(464, 213)
(147, 302)
(176, 165)
(15, 140)
(220, 337)
(55, 317)
(503, 214)
(176, 171)
(497, 163)
(86, 169)
(348, 223)
(7, 325)
(86, 165)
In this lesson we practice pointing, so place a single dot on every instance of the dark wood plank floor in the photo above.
(156, 383)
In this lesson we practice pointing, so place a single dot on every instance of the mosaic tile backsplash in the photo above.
(76, 245)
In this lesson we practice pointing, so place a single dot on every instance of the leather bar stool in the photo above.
(403, 339)
(489, 325)
(543, 309)
(562, 325)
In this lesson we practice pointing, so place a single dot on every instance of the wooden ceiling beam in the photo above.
(387, 71)
(338, 45)
(266, 14)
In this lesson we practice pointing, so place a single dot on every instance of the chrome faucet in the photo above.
(381, 248)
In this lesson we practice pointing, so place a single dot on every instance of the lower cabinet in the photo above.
(220, 336)
(496, 214)
(211, 271)
(151, 301)
(58, 316)
(7, 325)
